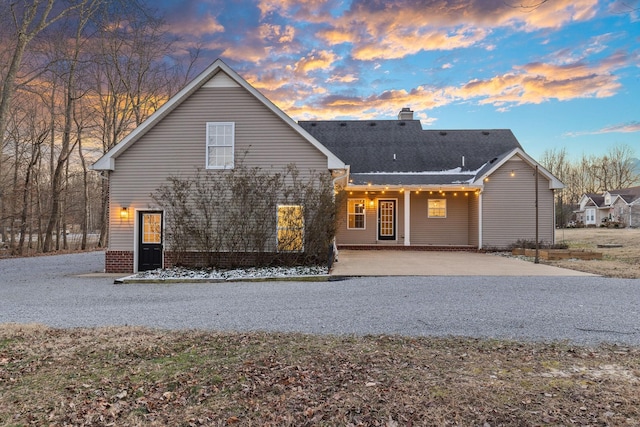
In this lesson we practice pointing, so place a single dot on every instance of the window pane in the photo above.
(356, 213)
(290, 228)
(437, 208)
(151, 228)
(220, 145)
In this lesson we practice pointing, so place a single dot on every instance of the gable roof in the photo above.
(597, 199)
(107, 161)
(629, 195)
(400, 152)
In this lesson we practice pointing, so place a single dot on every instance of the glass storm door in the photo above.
(150, 238)
(387, 220)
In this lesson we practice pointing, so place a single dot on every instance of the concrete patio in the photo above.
(428, 263)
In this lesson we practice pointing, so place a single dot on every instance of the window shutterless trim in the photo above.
(355, 215)
(442, 209)
(220, 138)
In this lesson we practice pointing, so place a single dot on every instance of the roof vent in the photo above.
(401, 124)
(372, 124)
(343, 124)
(405, 114)
(443, 133)
(485, 132)
(313, 124)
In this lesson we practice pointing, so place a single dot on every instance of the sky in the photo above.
(558, 73)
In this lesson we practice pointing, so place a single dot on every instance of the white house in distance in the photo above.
(405, 187)
(621, 206)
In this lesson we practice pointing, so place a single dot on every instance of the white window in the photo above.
(437, 208)
(220, 142)
(356, 214)
(290, 233)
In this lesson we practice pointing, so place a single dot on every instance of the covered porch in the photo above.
(426, 217)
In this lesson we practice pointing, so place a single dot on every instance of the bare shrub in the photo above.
(249, 216)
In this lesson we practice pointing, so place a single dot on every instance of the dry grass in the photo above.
(134, 376)
(623, 262)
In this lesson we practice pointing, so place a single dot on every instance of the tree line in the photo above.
(75, 77)
(616, 169)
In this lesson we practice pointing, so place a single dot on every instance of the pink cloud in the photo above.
(629, 127)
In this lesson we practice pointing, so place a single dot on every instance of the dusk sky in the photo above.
(564, 74)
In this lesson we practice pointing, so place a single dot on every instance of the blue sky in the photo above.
(564, 74)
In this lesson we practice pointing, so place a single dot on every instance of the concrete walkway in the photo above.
(426, 263)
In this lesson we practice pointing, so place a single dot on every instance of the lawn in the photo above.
(134, 376)
(623, 262)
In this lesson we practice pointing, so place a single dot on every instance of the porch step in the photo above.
(434, 248)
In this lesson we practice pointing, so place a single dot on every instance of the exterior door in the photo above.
(150, 238)
(386, 220)
(590, 216)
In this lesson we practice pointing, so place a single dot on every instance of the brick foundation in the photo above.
(118, 262)
(227, 259)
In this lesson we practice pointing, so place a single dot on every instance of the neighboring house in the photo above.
(591, 209)
(621, 206)
(404, 186)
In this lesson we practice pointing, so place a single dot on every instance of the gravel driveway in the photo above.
(584, 310)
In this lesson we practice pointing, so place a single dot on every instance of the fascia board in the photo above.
(554, 183)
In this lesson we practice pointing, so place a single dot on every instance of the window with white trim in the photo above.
(290, 232)
(437, 208)
(356, 214)
(220, 145)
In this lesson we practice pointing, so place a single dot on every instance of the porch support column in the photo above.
(407, 218)
(480, 220)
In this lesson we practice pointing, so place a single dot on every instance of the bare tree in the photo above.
(85, 11)
(28, 19)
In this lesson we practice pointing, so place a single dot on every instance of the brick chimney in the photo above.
(405, 114)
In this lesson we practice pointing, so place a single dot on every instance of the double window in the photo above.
(356, 214)
(437, 208)
(290, 233)
(220, 145)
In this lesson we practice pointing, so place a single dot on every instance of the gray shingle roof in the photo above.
(403, 146)
(628, 194)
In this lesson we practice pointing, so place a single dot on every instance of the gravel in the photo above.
(582, 310)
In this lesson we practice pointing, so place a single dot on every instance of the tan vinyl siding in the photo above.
(452, 230)
(177, 146)
(369, 236)
(508, 206)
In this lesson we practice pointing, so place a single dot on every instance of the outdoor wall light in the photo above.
(124, 213)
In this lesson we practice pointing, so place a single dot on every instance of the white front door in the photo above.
(590, 216)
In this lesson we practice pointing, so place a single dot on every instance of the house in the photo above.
(211, 124)
(621, 206)
(449, 189)
(404, 186)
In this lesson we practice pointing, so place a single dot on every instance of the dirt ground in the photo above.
(623, 262)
